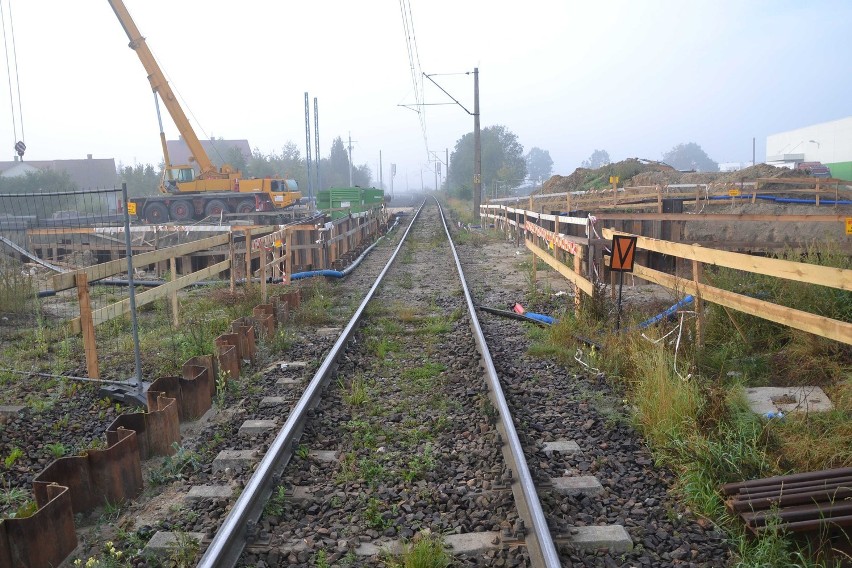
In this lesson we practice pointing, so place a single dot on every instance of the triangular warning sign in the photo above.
(623, 253)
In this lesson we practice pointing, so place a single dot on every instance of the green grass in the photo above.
(425, 551)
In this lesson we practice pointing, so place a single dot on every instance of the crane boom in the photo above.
(161, 87)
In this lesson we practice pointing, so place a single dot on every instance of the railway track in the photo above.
(399, 426)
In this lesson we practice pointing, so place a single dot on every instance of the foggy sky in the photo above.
(633, 78)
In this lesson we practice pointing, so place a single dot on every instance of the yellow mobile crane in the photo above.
(214, 190)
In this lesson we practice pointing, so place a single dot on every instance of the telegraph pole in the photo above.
(350, 160)
(308, 151)
(447, 163)
(316, 145)
(477, 149)
(381, 185)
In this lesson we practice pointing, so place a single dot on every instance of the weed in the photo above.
(174, 466)
(356, 392)
(183, 551)
(373, 515)
(418, 465)
(57, 450)
(321, 560)
(14, 455)
(426, 551)
(303, 451)
(275, 506)
(17, 290)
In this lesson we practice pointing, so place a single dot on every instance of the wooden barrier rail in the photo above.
(580, 248)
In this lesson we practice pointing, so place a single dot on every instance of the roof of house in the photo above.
(88, 173)
(216, 150)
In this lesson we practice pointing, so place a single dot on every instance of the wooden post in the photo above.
(232, 255)
(614, 192)
(697, 197)
(817, 193)
(659, 199)
(699, 303)
(288, 255)
(88, 327)
(754, 195)
(248, 257)
(173, 295)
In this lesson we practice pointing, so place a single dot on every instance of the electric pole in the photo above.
(350, 160)
(477, 149)
(447, 162)
(316, 145)
(381, 185)
(308, 152)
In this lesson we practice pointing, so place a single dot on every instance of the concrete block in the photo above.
(611, 537)
(287, 381)
(163, 543)
(273, 401)
(11, 410)
(206, 492)
(329, 330)
(287, 365)
(472, 543)
(577, 485)
(301, 494)
(255, 427)
(236, 460)
(561, 446)
(328, 456)
(763, 400)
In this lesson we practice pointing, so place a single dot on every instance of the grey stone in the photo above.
(11, 410)
(561, 446)
(287, 381)
(763, 400)
(472, 543)
(302, 494)
(272, 401)
(328, 456)
(579, 485)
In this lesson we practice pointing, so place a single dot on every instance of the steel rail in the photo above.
(543, 551)
(240, 525)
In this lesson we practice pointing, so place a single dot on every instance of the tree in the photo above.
(35, 199)
(335, 169)
(539, 164)
(502, 161)
(141, 179)
(598, 159)
(690, 156)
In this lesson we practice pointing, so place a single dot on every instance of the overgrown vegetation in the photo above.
(689, 401)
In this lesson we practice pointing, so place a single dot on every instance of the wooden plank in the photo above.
(797, 319)
(577, 279)
(796, 271)
(721, 217)
(87, 326)
(111, 268)
(123, 307)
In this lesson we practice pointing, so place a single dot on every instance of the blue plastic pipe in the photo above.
(662, 315)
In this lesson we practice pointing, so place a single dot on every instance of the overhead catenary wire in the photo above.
(9, 73)
(414, 66)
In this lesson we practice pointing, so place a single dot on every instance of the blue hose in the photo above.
(662, 315)
(540, 317)
(312, 273)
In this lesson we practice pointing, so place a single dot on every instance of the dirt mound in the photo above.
(634, 173)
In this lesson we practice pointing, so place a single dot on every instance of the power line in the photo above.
(414, 64)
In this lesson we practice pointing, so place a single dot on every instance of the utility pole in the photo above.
(447, 162)
(350, 160)
(477, 149)
(316, 144)
(436, 174)
(393, 175)
(381, 185)
(308, 151)
(752, 151)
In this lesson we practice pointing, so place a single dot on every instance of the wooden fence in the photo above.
(279, 254)
(580, 258)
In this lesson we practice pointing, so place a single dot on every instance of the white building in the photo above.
(828, 142)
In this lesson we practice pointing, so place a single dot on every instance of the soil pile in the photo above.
(634, 173)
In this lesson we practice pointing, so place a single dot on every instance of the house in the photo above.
(217, 150)
(91, 173)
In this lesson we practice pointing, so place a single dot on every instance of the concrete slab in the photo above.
(561, 446)
(472, 543)
(255, 427)
(763, 400)
(236, 460)
(469, 544)
(273, 401)
(163, 543)
(286, 365)
(328, 456)
(11, 410)
(206, 492)
(287, 381)
(610, 537)
(329, 330)
(577, 485)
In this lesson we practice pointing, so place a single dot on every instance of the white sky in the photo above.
(632, 77)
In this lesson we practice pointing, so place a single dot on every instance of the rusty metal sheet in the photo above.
(293, 299)
(228, 355)
(44, 539)
(282, 309)
(156, 430)
(209, 363)
(111, 475)
(244, 328)
(264, 321)
(196, 385)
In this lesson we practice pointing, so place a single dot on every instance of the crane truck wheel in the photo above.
(156, 213)
(246, 206)
(181, 210)
(216, 207)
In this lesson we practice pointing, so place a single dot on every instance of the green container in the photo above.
(345, 200)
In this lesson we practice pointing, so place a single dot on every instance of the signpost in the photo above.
(621, 261)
